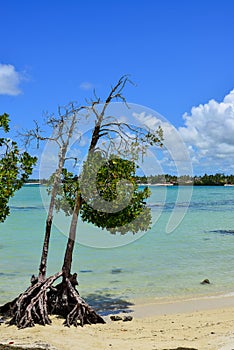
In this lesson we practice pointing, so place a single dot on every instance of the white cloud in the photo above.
(175, 157)
(85, 85)
(148, 120)
(209, 133)
(9, 80)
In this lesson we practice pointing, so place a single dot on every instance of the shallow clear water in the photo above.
(156, 265)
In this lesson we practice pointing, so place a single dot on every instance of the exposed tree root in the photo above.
(65, 301)
(41, 299)
(31, 306)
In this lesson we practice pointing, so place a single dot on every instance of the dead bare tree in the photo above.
(63, 127)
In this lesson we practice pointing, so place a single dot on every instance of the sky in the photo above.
(179, 54)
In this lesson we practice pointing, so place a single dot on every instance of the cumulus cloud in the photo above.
(209, 134)
(9, 80)
(175, 154)
(147, 119)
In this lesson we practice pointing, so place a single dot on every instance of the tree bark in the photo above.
(72, 236)
(62, 158)
(49, 220)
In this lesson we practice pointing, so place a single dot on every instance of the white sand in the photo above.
(203, 324)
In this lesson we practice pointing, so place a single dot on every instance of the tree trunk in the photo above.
(64, 299)
(49, 220)
(72, 236)
(44, 254)
(62, 158)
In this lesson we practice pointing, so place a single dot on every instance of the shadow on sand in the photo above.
(106, 304)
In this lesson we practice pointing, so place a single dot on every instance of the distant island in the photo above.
(205, 180)
(169, 180)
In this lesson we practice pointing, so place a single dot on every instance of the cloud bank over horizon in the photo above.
(206, 139)
(208, 132)
(9, 80)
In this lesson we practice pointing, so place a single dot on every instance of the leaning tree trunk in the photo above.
(62, 157)
(49, 220)
(64, 299)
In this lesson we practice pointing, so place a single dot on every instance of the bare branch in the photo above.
(73, 158)
(115, 93)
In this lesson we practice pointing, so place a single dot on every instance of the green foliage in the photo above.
(15, 168)
(110, 195)
(212, 180)
(155, 138)
(217, 179)
(4, 122)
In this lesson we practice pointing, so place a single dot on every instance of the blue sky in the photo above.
(179, 53)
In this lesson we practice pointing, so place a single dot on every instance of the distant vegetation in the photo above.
(205, 180)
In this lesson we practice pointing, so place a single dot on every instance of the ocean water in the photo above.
(154, 265)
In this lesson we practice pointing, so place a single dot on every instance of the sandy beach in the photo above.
(202, 324)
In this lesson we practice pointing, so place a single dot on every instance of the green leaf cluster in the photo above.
(15, 168)
(155, 138)
(111, 198)
(4, 122)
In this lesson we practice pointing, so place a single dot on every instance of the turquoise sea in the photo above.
(150, 266)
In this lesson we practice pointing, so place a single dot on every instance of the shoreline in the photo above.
(152, 307)
(149, 306)
(200, 323)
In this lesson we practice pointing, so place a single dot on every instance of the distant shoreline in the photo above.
(32, 184)
(151, 184)
(184, 184)
(218, 179)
